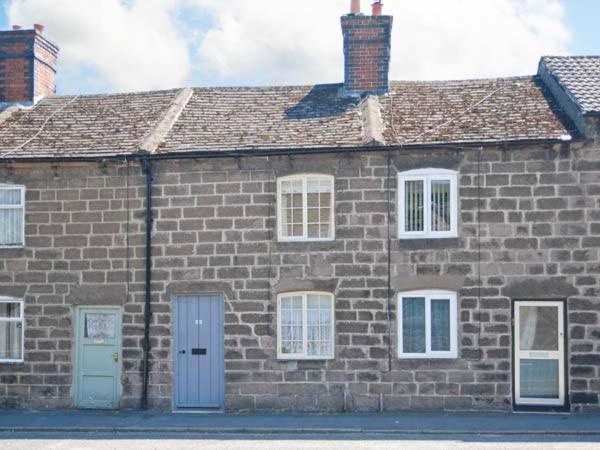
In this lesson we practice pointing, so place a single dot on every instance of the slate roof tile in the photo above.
(294, 117)
(580, 77)
(469, 111)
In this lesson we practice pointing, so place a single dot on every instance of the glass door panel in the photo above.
(539, 353)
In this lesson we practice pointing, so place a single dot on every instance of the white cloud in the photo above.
(299, 41)
(149, 44)
(131, 45)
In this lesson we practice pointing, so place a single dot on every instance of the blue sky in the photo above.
(126, 45)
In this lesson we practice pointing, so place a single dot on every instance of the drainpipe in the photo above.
(147, 170)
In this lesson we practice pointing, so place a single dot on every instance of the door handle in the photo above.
(182, 352)
(116, 357)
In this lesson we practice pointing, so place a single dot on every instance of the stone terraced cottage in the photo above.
(364, 246)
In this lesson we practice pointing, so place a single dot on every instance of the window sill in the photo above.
(303, 241)
(427, 357)
(304, 358)
(12, 361)
(427, 243)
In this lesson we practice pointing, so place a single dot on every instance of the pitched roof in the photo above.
(87, 125)
(263, 118)
(579, 76)
(506, 109)
(294, 117)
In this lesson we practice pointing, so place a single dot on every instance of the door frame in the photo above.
(77, 354)
(566, 406)
(174, 299)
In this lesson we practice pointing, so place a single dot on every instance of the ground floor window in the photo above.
(305, 325)
(427, 324)
(11, 330)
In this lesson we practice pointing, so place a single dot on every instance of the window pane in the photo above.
(10, 197)
(291, 207)
(11, 340)
(538, 328)
(11, 226)
(319, 325)
(319, 207)
(539, 378)
(291, 325)
(440, 205)
(10, 310)
(440, 325)
(100, 326)
(413, 325)
(414, 198)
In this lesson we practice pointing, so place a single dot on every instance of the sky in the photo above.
(133, 45)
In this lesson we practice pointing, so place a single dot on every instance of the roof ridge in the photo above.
(468, 80)
(155, 136)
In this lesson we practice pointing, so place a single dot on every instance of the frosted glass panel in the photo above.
(413, 325)
(100, 326)
(539, 378)
(538, 328)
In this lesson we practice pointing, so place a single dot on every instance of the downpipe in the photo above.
(147, 170)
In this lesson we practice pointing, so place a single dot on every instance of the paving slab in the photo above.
(400, 423)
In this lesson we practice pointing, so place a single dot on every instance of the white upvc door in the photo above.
(539, 353)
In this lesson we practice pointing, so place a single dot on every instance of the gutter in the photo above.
(200, 154)
(147, 170)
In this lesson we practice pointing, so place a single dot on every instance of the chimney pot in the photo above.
(16, 27)
(39, 28)
(355, 7)
(377, 8)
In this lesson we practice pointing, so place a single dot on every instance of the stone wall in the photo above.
(215, 231)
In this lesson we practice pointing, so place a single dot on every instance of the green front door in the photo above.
(98, 357)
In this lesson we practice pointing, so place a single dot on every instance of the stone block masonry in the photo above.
(537, 237)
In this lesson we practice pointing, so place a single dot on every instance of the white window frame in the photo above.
(280, 223)
(430, 295)
(21, 206)
(427, 175)
(304, 355)
(20, 319)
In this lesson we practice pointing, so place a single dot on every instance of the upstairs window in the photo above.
(305, 208)
(427, 204)
(305, 323)
(12, 216)
(427, 325)
(11, 330)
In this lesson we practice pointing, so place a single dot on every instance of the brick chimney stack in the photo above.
(27, 65)
(367, 50)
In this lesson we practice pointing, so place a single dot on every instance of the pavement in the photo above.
(407, 423)
(189, 441)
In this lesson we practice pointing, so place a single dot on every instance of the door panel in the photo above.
(199, 351)
(98, 350)
(539, 353)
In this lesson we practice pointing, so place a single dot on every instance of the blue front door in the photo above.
(199, 351)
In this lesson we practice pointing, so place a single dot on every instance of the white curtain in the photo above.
(413, 201)
(11, 217)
